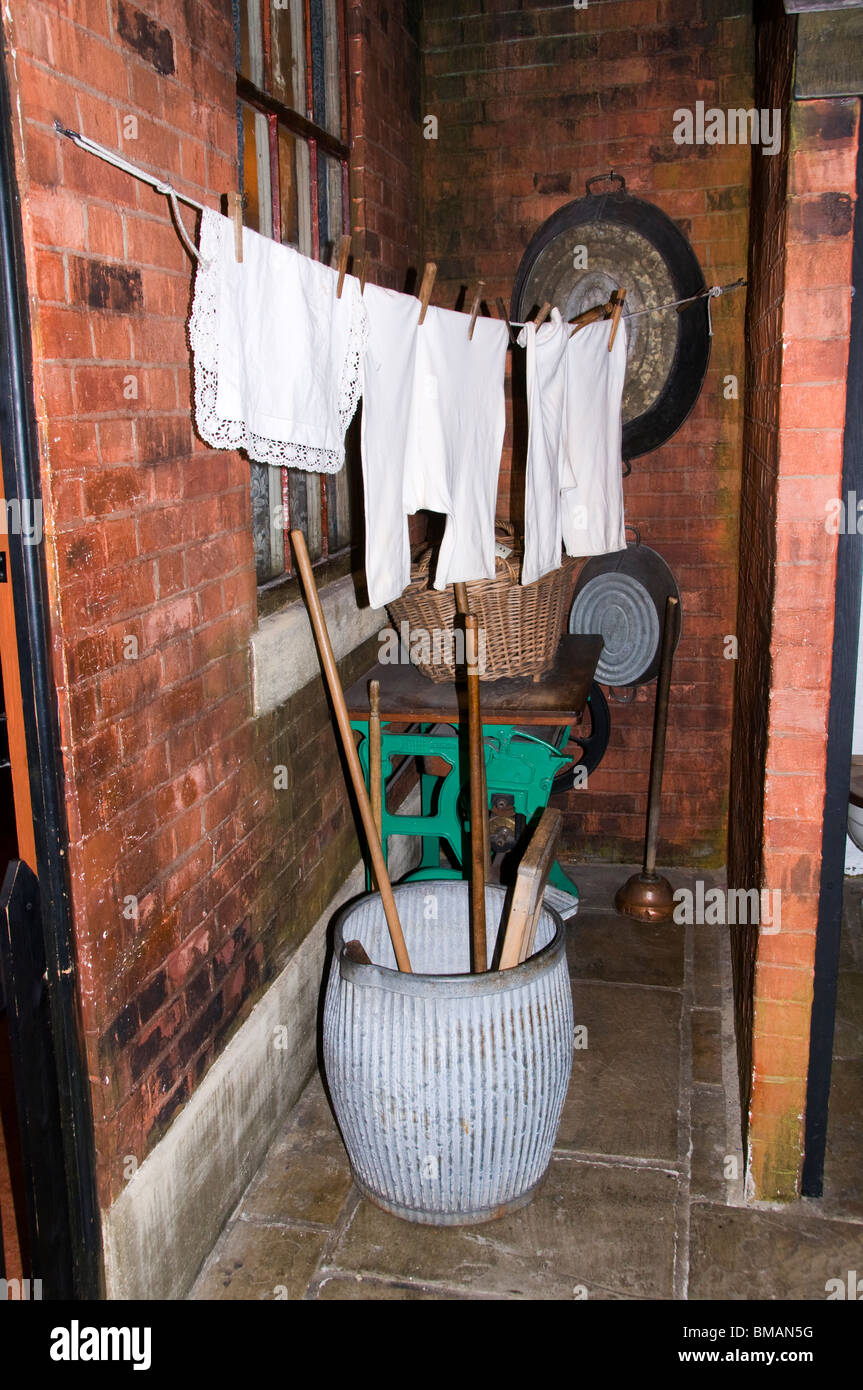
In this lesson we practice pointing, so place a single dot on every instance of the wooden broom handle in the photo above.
(328, 661)
(478, 812)
(463, 607)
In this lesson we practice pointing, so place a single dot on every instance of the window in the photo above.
(292, 132)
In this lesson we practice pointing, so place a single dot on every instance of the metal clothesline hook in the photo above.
(83, 142)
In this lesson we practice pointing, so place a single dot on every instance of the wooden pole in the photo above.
(376, 782)
(660, 724)
(462, 607)
(331, 675)
(478, 812)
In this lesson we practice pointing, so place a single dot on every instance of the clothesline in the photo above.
(173, 195)
(161, 185)
(710, 292)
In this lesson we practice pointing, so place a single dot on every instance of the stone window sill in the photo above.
(283, 653)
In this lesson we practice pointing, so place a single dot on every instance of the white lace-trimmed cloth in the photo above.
(277, 355)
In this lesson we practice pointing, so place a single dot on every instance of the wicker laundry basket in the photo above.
(522, 624)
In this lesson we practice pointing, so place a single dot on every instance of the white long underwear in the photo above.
(434, 415)
(574, 480)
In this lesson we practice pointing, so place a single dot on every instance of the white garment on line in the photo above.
(434, 415)
(458, 429)
(592, 478)
(545, 384)
(277, 354)
(574, 480)
(388, 389)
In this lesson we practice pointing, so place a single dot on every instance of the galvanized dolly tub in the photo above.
(447, 1086)
(447, 1045)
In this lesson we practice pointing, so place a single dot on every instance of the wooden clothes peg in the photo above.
(501, 309)
(235, 212)
(364, 270)
(426, 288)
(480, 286)
(618, 298)
(542, 315)
(612, 310)
(602, 311)
(344, 252)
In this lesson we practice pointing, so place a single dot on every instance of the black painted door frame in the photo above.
(77, 1274)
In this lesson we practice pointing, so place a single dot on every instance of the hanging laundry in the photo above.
(434, 414)
(592, 476)
(277, 354)
(457, 438)
(574, 482)
(388, 392)
(545, 383)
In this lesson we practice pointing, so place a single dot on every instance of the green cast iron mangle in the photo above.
(519, 766)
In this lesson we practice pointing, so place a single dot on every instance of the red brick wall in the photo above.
(385, 127)
(531, 101)
(170, 794)
(799, 326)
(798, 322)
(816, 315)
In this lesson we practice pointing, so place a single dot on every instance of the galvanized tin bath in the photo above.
(447, 1086)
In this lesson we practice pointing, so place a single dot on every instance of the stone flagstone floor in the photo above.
(637, 1203)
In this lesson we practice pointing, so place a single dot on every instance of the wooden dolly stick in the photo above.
(530, 882)
(463, 607)
(337, 695)
(478, 805)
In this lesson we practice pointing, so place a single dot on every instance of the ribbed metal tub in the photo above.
(447, 1086)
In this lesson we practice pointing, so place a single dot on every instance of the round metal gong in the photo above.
(609, 241)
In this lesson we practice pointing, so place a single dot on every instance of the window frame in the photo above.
(279, 114)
